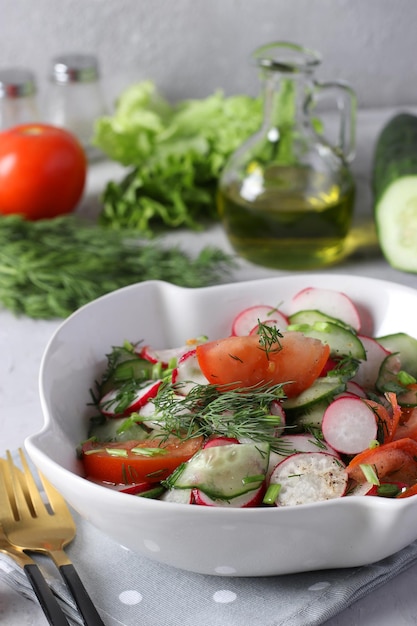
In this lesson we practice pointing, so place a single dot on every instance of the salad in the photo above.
(290, 408)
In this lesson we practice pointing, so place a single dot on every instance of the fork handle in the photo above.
(53, 612)
(82, 599)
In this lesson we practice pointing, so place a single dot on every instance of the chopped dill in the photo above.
(207, 409)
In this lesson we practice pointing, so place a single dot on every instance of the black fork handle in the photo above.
(80, 595)
(53, 612)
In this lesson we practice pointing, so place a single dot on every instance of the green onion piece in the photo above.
(151, 493)
(156, 370)
(247, 480)
(116, 452)
(95, 451)
(388, 490)
(374, 444)
(369, 473)
(405, 378)
(272, 494)
(149, 451)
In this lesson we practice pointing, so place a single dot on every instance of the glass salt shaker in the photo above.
(75, 98)
(18, 97)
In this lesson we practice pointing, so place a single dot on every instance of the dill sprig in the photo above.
(345, 368)
(208, 410)
(269, 338)
(51, 267)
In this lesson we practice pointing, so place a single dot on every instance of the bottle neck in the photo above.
(285, 116)
(284, 100)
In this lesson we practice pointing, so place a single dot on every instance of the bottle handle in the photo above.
(345, 99)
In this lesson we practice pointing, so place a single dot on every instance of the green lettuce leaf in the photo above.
(175, 153)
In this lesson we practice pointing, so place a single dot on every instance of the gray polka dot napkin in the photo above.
(129, 589)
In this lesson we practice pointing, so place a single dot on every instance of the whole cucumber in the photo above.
(394, 182)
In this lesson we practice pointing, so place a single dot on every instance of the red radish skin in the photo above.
(333, 303)
(248, 319)
(349, 425)
(109, 402)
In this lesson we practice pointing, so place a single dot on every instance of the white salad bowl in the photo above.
(344, 532)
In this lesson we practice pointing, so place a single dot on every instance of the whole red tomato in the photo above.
(42, 171)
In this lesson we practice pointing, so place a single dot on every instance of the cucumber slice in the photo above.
(311, 417)
(321, 389)
(341, 341)
(388, 381)
(406, 348)
(395, 191)
(310, 316)
(130, 369)
(224, 471)
(116, 429)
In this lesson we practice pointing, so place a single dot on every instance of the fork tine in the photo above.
(17, 496)
(28, 487)
(7, 500)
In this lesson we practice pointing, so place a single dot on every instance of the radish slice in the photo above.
(293, 444)
(361, 489)
(161, 356)
(249, 499)
(110, 402)
(309, 477)
(276, 408)
(349, 425)
(357, 390)
(178, 496)
(247, 320)
(269, 322)
(334, 303)
(188, 374)
(165, 356)
(367, 373)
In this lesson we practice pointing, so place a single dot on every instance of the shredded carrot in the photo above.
(389, 421)
(396, 459)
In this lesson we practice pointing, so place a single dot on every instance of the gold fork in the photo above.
(53, 612)
(32, 525)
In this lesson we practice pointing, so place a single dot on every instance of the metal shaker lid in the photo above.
(75, 68)
(17, 83)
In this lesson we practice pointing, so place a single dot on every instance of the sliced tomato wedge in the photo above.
(131, 462)
(243, 362)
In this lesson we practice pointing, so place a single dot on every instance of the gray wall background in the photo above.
(192, 47)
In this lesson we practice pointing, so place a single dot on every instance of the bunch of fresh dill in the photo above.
(51, 267)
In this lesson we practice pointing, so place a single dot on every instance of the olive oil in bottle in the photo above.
(299, 220)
